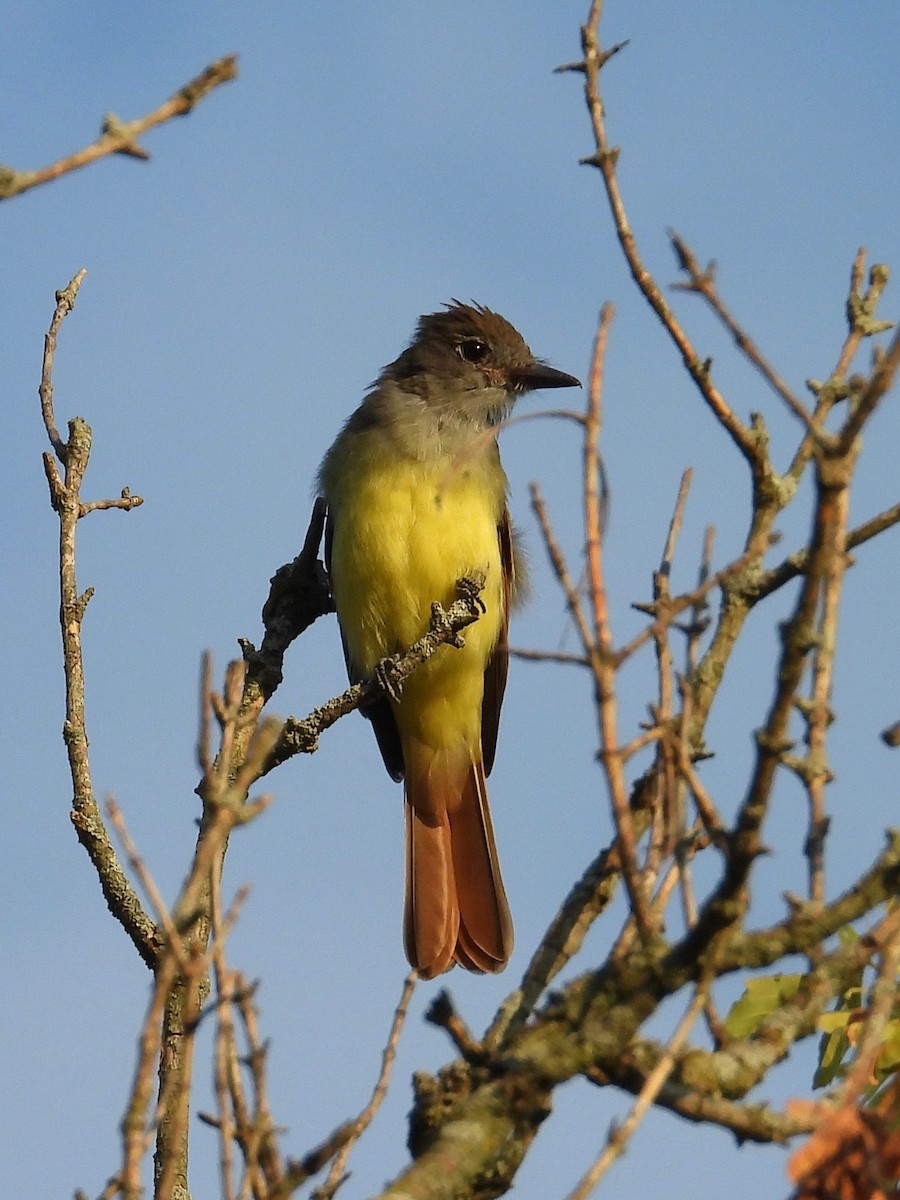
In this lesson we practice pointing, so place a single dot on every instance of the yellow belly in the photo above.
(402, 535)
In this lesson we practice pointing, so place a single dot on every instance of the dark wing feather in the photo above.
(385, 727)
(379, 711)
(498, 664)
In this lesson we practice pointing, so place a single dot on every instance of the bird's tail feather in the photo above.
(431, 917)
(456, 908)
(485, 926)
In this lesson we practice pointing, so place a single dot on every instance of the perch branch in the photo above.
(301, 736)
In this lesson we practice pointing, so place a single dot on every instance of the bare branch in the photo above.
(882, 1001)
(121, 137)
(560, 568)
(301, 736)
(796, 564)
(861, 310)
(65, 497)
(551, 656)
(164, 917)
(605, 159)
(65, 302)
(619, 1135)
(878, 386)
(336, 1174)
(703, 282)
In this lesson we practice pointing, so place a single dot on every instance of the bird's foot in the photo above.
(470, 587)
(387, 678)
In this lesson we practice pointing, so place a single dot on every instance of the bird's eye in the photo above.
(473, 350)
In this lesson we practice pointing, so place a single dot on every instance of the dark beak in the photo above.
(538, 375)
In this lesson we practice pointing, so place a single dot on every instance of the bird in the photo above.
(416, 499)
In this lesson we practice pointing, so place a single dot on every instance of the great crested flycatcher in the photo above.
(416, 500)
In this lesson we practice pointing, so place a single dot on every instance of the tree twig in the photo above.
(121, 137)
(65, 497)
(605, 159)
(619, 1135)
(703, 282)
(337, 1172)
(600, 641)
(301, 736)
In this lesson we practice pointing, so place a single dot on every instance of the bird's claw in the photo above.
(470, 587)
(385, 675)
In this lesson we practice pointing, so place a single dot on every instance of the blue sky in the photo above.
(244, 287)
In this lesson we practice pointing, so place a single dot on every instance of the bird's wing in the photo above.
(379, 711)
(498, 664)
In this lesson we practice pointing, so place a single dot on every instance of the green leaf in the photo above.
(831, 1022)
(889, 1054)
(834, 1044)
(762, 997)
(832, 1050)
(847, 935)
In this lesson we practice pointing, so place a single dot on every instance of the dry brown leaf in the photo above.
(854, 1153)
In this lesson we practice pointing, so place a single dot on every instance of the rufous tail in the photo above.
(456, 909)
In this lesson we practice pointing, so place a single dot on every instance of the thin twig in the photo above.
(121, 137)
(552, 656)
(862, 323)
(879, 384)
(560, 568)
(706, 809)
(670, 810)
(703, 283)
(676, 522)
(204, 754)
(604, 159)
(263, 1130)
(855, 331)
(136, 1132)
(795, 564)
(224, 1063)
(163, 916)
(619, 1135)
(601, 641)
(65, 302)
(882, 1002)
(816, 774)
(337, 1171)
(126, 502)
(230, 1101)
(699, 620)
(678, 605)
(861, 310)
(640, 742)
(592, 474)
(65, 497)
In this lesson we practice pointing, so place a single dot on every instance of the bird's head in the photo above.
(470, 357)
